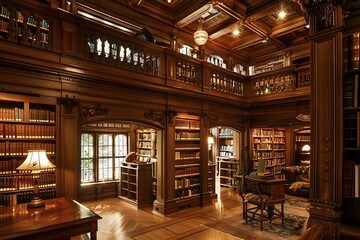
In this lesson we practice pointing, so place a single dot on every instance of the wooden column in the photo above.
(326, 32)
(205, 195)
(69, 166)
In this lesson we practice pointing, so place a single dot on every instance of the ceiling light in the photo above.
(169, 1)
(307, 26)
(282, 14)
(264, 40)
(236, 32)
(200, 36)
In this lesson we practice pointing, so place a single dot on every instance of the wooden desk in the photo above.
(273, 187)
(61, 218)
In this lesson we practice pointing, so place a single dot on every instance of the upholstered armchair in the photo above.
(297, 180)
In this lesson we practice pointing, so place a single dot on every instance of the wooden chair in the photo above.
(258, 205)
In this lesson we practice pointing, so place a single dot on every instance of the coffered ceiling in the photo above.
(261, 30)
(258, 21)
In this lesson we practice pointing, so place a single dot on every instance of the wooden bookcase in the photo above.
(25, 126)
(351, 164)
(187, 158)
(227, 169)
(211, 179)
(226, 142)
(145, 145)
(302, 138)
(268, 144)
(136, 183)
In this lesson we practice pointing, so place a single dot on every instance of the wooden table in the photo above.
(61, 218)
(273, 187)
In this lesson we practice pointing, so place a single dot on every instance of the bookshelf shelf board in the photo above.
(352, 149)
(187, 148)
(186, 197)
(187, 158)
(188, 187)
(187, 139)
(187, 175)
(225, 136)
(187, 129)
(187, 165)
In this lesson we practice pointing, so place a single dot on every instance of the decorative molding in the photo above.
(241, 125)
(155, 116)
(303, 117)
(68, 103)
(214, 121)
(88, 112)
(171, 113)
(323, 10)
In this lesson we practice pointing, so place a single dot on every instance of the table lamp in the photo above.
(35, 162)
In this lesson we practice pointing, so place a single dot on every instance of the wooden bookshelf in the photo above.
(136, 185)
(351, 163)
(302, 138)
(187, 158)
(227, 169)
(145, 145)
(268, 144)
(226, 142)
(25, 126)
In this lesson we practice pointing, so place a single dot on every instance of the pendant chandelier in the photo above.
(200, 36)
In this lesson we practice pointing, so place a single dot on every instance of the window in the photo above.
(101, 155)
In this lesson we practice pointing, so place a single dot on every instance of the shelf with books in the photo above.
(136, 185)
(146, 145)
(302, 147)
(4, 21)
(351, 119)
(187, 158)
(226, 142)
(268, 145)
(25, 126)
(227, 169)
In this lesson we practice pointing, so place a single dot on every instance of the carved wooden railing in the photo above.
(188, 70)
(119, 52)
(85, 40)
(226, 82)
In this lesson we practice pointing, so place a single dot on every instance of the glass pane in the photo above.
(99, 46)
(87, 158)
(105, 169)
(105, 145)
(107, 48)
(120, 152)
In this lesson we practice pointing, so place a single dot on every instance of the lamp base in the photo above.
(35, 203)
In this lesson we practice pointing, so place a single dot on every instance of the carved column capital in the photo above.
(154, 116)
(68, 103)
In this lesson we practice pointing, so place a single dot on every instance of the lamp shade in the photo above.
(36, 160)
(200, 36)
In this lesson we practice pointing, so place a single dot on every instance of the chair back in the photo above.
(245, 167)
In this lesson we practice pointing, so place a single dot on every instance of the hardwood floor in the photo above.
(121, 220)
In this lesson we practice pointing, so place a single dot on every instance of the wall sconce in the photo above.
(200, 36)
(210, 142)
(35, 162)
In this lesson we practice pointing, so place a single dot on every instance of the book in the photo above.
(357, 181)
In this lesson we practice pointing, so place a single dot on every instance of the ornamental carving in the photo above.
(323, 11)
(201, 114)
(68, 103)
(303, 117)
(171, 113)
(87, 112)
(155, 116)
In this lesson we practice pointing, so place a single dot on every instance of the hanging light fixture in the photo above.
(200, 36)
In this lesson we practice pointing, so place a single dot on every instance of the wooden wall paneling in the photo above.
(204, 153)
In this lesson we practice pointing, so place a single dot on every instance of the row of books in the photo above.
(351, 179)
(20, 182)
(186, 155)
(187, 135)
(304, 138)
(187, 170)
(352, 51)
(4, 12)
(187, 124)
(187, 192)
(4, 25)
(25, 197)
(21, 148)
(351, 131)
(26, 131)
(351, 91)
(19, 16)
(186, 182)
(9, 167)
(12, 114)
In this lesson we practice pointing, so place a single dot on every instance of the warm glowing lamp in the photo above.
(35, 162)
(210, 142)
(200, 36)
(305, 148)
